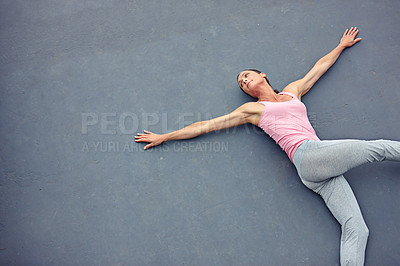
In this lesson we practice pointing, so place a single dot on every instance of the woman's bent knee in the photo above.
(354, 241)
(391, 149)
(356, 231)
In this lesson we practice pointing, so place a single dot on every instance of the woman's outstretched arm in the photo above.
(302, 86)
(241, 115)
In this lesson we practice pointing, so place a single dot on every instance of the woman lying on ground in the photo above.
(319, 163)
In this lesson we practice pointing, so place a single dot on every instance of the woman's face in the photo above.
(249, 81)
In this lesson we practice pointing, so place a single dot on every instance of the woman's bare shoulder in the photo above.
(252, 111)
(293, 88)
(252, 107)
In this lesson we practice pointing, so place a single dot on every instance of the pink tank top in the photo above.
(287, 123)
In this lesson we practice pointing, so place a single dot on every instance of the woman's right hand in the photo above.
(349, 37)
(152, 138)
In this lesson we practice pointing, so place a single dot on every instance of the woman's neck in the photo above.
(269, 96)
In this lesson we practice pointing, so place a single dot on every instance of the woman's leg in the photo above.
(341, 201)
(321, 165)
(324, 159)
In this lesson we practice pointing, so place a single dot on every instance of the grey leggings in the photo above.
(321, 165)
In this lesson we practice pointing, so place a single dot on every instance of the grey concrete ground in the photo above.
(78, 79)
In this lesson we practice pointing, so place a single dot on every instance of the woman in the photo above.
(320, 164)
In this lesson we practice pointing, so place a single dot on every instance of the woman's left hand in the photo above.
(152, 138)
(348, 38)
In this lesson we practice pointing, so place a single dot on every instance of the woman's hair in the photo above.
(259, 72)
